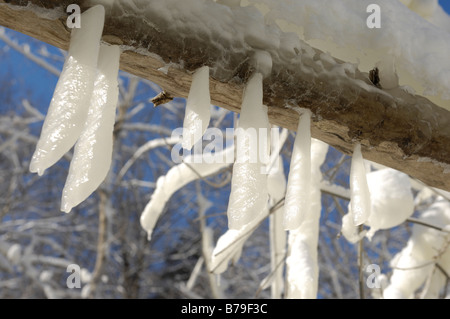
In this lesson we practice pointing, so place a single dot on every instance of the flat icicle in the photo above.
(297, 201)
(93, 151)
(249, 194)
(360, 204)
(176, 178)
(198, 106)
(68, 109)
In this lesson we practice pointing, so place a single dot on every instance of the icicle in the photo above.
(296, 205)
(248, 195)
(68, 109)
(176, 177)
(360, 195)
(93, 151)
(198, 108)
(277, 188)
(302, 262)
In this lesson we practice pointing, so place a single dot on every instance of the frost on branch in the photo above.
(198, 115)
(302, 260)
(68, 109)
(93, 152)
(248, 196)
(297, 202)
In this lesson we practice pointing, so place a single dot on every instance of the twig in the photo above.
(420, 222)
(101, 242)
(161, 98)
(272, 273)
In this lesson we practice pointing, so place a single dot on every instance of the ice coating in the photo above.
(177, 177)
(93, 152)
(296, 204)
(276, 182)
(68, 108)
(262, 62)
(198, 108)
(360, 205)
(415, 263)
(337, 27)
(419, 47)
(249, 195)
(391, 199)
(302, 268)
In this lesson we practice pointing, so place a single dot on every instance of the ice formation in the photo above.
(302, 268)
(229, 246)
(297, 201)
(415, 264)
(418, 46)
(176, 178)
(68, 109)
(93, 151)
(336, 27)
(276, 182)
(391, 198)
(198, 105)
(248, 195)
(360, 205)
(391, 203)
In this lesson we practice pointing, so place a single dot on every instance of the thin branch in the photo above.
(101, 243)
(268, 278)
(360, 265)
(420, 222)
(161, 98)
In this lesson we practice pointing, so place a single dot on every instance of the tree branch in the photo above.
(408, 133)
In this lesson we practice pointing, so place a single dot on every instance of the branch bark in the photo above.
(408, 132)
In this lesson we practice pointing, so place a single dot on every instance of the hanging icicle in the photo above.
(302, 268)
(198, 108)
(296, 204)
(93, 151)
(277, 189)
(249, 195)
(68, 109)
(360, 195)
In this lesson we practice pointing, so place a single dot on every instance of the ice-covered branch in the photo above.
(404, 131)
(177, 177)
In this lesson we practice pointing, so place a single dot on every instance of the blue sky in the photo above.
(445, 4)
